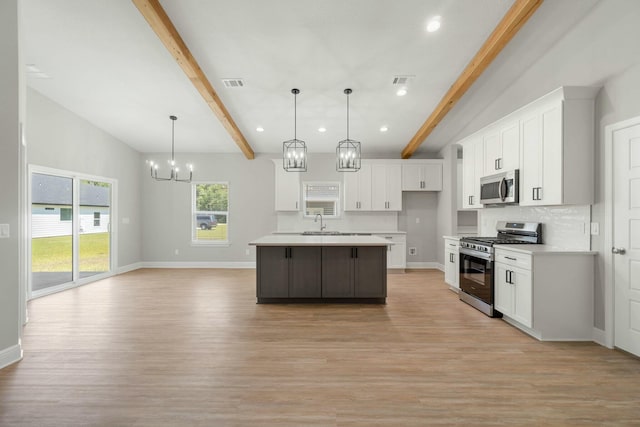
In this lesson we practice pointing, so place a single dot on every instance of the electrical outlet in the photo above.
(4, 231)
(595, 228)
(177, 252)
(247, 251)
(413, 251)
(417, 220)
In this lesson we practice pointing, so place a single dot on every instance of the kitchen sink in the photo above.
(332, 233)
(324, 233)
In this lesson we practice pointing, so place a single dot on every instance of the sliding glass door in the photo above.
(70, 230)
(51, 231)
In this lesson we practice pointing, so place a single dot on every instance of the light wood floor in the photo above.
(191, 348)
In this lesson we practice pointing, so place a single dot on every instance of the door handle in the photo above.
(503, 183)
(511, 258)
(618, 251)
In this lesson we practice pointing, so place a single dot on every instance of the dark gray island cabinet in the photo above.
(321, 269)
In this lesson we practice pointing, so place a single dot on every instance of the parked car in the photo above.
(206, 222)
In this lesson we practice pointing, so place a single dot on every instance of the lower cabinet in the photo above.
(547, 294)
(451, 263)
(397, 251)
(316, 272)
(354, 272)
(289, 272)
(514, 293)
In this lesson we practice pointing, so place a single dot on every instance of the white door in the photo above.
(626, 237)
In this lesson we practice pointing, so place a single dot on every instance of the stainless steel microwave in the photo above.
(500, 189)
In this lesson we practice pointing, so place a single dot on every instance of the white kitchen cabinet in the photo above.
(472, 171)
(547, 294)
(386, 187)
(357, 189)
(422, 175)
(451, 263)
(513, 291)
(502, 148)
(287, 188)
(558, 150)
(397, 251)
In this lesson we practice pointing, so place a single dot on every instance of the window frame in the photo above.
(338, 205)
(195, 212)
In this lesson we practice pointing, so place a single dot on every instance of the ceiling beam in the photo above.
(513, 20)
(164, 28)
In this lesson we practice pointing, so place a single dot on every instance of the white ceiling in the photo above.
(107, 65)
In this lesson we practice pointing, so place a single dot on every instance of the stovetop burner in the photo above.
(495, 240)
(512, 233)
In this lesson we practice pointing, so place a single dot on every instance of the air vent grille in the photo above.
(402, 80)
(233, 83)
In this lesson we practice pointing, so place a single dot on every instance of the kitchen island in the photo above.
(326, 268)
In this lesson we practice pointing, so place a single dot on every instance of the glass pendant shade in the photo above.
(348, 151)
(294, 151)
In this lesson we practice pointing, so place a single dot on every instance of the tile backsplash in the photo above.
(564, 227)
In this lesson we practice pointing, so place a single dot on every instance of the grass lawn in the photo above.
(217, 233)
(49, 254)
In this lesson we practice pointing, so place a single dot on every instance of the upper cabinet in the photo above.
(287, 188)
(502, 148)
(357, 189)
(386, 184)
(551, 142)
(422, 175)
(472, 171)
(558, 149)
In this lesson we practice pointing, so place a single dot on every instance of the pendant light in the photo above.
(294, 151)
(348, 150)
(173, 176)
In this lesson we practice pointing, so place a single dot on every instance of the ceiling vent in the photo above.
(402, 80)
(233, 83)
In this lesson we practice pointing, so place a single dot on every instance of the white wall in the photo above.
(10, 116)
(166, 209)
(618, 100)
(58, 138)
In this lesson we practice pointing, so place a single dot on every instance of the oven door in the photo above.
(476, 276)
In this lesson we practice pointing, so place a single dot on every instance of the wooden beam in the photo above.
(166, 31)
(513, 20)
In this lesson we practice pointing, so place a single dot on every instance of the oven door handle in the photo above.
(475, 254)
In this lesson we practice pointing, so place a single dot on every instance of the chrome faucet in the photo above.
(322, 227)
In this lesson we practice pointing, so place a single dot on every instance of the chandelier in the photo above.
(348, 150)
(173, 176)
(294, 151)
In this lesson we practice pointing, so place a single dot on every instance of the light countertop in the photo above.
(343, 231)
(542, 250)
(452, 237)
(298, 240)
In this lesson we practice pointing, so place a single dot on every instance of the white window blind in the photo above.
(322, 198)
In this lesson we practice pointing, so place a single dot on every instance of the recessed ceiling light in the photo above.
(384, 129)
(260, 129)
(322, 129)
(402, 91)
(433, 24)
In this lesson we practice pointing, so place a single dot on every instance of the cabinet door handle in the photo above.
(511, 258)
(506, 276)
(296, 205)
(539, 193)
(356, 252)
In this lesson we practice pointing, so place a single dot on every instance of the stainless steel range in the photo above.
(477, 261)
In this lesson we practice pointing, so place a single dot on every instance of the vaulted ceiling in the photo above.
(102, 60)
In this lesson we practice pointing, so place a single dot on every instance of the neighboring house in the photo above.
(51, 207)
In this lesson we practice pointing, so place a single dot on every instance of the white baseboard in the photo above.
(227, 264)
(600, 337)
(424, 265)
(128, 268)
(10, 355)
